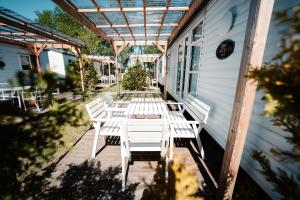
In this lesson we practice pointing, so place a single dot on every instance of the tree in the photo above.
(90, 77)
(135, 78)
(63, 22)
(125, 55)
(280, 81)
(151, 50)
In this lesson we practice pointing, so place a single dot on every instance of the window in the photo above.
(160, 66)
(184, 66)
(197, 32)
(179, 62)
(25, 62)
(195, 54)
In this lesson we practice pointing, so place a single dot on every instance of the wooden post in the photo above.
(255, 40)
(109, 80)
(81, 68)
(37, 52)
(165, 74)
(157, 63)
(117, 74)
(164, 63)
(118, 50)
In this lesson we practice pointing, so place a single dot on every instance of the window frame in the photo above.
(198, 42)
(180, 45)
(20, 62)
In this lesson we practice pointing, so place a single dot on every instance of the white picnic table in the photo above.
(14, 92)
(146, 108)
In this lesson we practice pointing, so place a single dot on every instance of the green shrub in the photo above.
(90, 78)
(135, 78)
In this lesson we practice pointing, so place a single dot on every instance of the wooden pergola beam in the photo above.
(194, 7)
(162, 49)
(119, 48)
(17, 33)
(140, 42)
(27, 28)
(258, 23)
(128, 35)
(13, 42)
(126, 20)
(135, 9)
(163, 18)
(73, 12)
(135, 25)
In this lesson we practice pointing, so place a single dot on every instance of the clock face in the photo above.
(225, 49)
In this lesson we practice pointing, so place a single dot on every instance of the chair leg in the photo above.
(23, 101)
(97, 131)
(123, 157)
(171, 148)
(200, 146)
(19, 102)
(37, 105)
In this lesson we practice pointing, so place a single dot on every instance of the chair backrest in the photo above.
(108, 99)
(96, 108)
(145, 134)
(4, 85)
(196, 108)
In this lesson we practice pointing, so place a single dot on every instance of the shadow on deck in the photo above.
(79, 176)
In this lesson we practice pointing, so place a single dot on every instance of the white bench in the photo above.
(143, 135)
(105, 119)
(182, 128)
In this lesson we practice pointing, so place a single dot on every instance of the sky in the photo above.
(27, 8)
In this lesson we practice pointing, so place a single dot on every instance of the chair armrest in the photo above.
(173, 103)
(183, 122)
(105, 120)
(111, 109)
(118, 102)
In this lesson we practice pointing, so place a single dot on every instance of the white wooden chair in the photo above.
(143, 135)
(182, 128)
(110, 102)
(105, 120)
(153, 82)
(34, 96)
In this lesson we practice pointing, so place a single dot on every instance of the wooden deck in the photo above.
(109, 157)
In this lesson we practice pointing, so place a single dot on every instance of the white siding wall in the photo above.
(262, 134)
(56, 61)
(44, 60)
(161, 73)
(217, 83)
(9, 54)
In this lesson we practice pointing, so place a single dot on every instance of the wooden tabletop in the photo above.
(146, 108)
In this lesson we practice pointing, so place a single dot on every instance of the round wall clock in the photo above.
(226, 23)
(2, 64)
(225, 49)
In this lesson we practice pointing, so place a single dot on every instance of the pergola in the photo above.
(131, 22)
(158, 23)
(18, 30)
(102, 60)
(144, 58)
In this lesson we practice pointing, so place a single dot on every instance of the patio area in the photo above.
(140, 172)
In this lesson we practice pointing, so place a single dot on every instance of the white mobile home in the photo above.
(56, 61)
(194, 68)
(15, 58)
(18, 58)
(160, 70)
